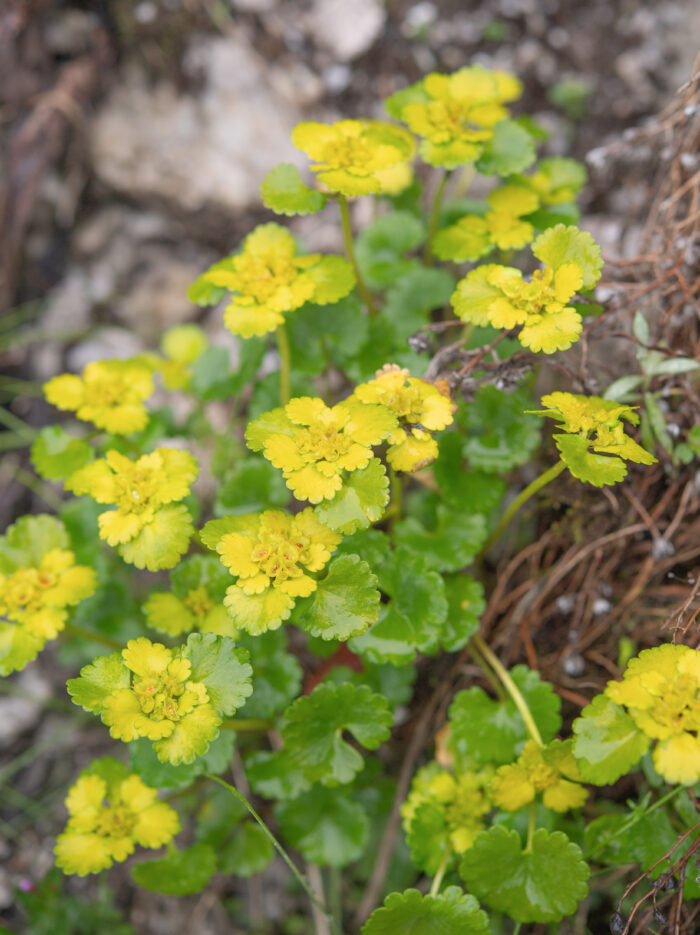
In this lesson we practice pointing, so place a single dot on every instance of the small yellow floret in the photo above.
(549, 770)
(356, 157)
(420, 408)
(109, 393)
(107, 822)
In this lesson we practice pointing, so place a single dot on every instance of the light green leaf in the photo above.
(283, 192)
(344, 604)
(428, 836)
(657, 422)
(675, 365)
(562, 244)
(275, 775)
(273, 422)
(380, 247)
(213, 531)
(17, 647)
(360, 501)
(412, 913)
(452, 545)
(607, 742)
(162, 542)
(145, 762)
(542, 885)
(500, 435)
(55, 454)
(475, 295)
(640, 328)
(313, 726)
(277, 674)
(469, 239)
(178, 874)
(509, 150)
(587, 466)
(100, 678)
(619, 390)
(27, 541)
(493, 731)
(466, 604)
(334, 279)
(252, 485)
(248, 853)
(200, 571)
(326, 826)
(222, 667)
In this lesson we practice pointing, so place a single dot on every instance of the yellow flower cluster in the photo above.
(149, 529)
(107, 820)
(109, 393)
(34, 603)
(420, 408)
(268, 279)
(661, 691)
(314, 444)
(456, 114)
(502, 226)
(357, 157)
(550, 770)
(271, 554)
(160, 702)
(181, 347)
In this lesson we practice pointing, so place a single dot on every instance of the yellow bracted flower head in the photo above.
(420, 408)
(196, 601)
(463, 799)
(182, 346)
(271, 554)
(591, 422)
(34, 603)
(268, 279)
(456, 113)
(661, 691)
(354, 157)
(314, 444)
(148, 529)
(109, 393)
(550, 770)
(108, 819)
(161, 703)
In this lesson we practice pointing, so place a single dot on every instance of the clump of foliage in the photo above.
(348, 532)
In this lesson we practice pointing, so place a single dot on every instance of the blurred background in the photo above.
(135, 135)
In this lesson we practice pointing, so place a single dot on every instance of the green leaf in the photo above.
(413, 621)
(452, 545)
(411, 298)
(312, 730)
(466, 604)
(275, 775)
(55, 454)
(344, 604)
(657, 422)
(619, 390)
(412, 913)
(500, 435)
(249, 852)
(634, 837)
(359, 502)
(381, 246)
(587, 466)
(428, 836)
(222, 667)
(178, 874)
(251, 486)
(27, 541)
(104, 675)
(213, 531)
(200, 571)
(562, 244)
(542, 885)
(510, 150)
(466, 491)
(212, 373)
(372, 546)
(145, 762)
(319, 333)
(607, 742)
(493, 731)
(325, 825)
(278, 674)
(283, 192)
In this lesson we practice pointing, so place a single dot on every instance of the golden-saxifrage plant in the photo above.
(365, 493)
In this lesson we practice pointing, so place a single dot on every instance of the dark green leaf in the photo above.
(251, 486)
(412, 913)
(277, 674)
(178, 874)
(345, 603)
(248, 853)
(325, 825)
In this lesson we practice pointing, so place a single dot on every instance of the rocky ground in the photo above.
(136, 135)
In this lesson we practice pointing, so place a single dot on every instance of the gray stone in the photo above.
(346, 29)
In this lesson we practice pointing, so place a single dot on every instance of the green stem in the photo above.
(437, 879)
(285, 364)
(335, 896)
(17, 425)
(633, 821)
(486, 669)
(509, 686)
(434, 218)
(71, 629)
(537, 484)
(350, 251)
(246, 724)
(300, 878)
(396, 496)
(531, 825)
(37, 486)
(516, 930)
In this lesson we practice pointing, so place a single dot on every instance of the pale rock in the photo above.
(347, 29)
(210, 148)
(104, 344)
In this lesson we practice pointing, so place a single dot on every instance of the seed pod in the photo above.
(618, 923)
